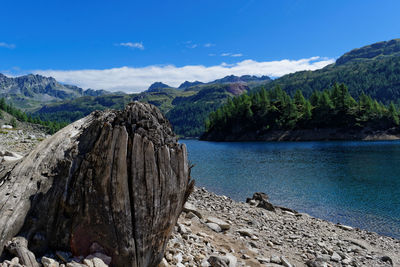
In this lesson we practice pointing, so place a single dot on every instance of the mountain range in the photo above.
(31, 91)
(373, 69)
(186, 107)
(244, 79)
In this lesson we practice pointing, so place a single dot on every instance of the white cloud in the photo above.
(231, 55)
(190, 44)
(6, 45)
(131, 79)
(209, 45)
(132, 45)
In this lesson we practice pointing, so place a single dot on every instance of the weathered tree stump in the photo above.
(117, 178)
(18, 246)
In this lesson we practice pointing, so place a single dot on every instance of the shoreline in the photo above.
(217, 226)
(329, 134)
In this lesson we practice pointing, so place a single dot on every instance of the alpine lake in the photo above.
(355, 183)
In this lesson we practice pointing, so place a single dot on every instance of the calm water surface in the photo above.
(354, 183)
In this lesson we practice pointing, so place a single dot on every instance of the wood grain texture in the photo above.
(118, 178)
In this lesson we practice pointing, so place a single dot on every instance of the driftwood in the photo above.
(18, 246)
(116, 178)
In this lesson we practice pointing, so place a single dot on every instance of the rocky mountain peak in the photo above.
(385, 48)
(158, 85)
(188, 84)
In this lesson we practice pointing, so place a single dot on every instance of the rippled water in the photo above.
(354, 183)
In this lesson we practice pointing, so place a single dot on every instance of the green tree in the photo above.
(3, 105)
(393, 114)
(13, 123)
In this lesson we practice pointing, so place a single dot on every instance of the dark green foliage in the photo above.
(189, 119)
(72, 110)
(189, 114)
(13, 123)
(19, 115)
(263, 111)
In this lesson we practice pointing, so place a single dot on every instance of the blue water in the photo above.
(354, 183)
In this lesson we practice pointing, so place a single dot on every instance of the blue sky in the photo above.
(126, 45)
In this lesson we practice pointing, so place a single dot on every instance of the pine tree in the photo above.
(3, 105)
(393, 114)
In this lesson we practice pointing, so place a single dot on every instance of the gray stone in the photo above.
(97, 262)
(215, 227)
(245, 257)
(188, 207)
(316, 263)
(223, 261)
(275, 259)
(245, 232)
(336, 257)
(48, 262)
(182, 229)
(88, 263)
(347, 261)
(263, 260)
(163, 263)
(75, 264)
(224, 225)
(266, 205)
(218, 261)
(104, 258)
(345, 227)
(285, 262)
(232, 260)
(360, 243)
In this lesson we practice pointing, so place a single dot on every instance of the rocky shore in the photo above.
(217, 231)
(22, 139)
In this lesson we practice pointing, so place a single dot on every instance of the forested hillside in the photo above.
(20, 116)
(266, 111)
(373, 70)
